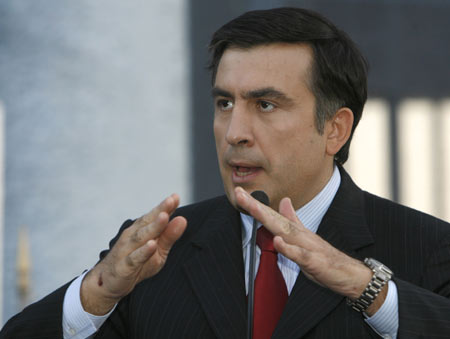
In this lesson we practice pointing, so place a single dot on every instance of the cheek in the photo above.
(221, 147)
(218, 136)
(297, 152)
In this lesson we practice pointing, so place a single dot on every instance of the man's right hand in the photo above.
(139, 253)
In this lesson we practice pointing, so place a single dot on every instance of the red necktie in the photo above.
(270, 288)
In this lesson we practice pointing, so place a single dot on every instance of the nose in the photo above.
(240, 128)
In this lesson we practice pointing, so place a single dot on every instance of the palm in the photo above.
(139, 253)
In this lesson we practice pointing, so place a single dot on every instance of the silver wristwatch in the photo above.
(381, 275)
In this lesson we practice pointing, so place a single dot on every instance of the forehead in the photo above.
(279, 65)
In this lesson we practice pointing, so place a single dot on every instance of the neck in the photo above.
(320, 182)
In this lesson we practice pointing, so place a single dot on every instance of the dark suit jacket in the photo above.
(200, 291)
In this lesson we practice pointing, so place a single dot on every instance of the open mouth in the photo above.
(244, 171)
(243, 174)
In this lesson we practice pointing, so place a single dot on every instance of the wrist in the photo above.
(359, 276)
(374, 294)
(378, 302)
(93, 297)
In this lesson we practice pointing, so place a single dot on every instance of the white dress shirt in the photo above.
(78, 324)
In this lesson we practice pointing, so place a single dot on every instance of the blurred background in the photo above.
(105, 109)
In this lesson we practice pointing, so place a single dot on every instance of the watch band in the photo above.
(381, 275)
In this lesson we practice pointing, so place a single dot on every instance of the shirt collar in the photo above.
(310, 214)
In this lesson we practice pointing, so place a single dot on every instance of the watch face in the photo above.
(383, 272)
(372, 262)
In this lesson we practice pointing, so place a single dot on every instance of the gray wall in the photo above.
(97, 116)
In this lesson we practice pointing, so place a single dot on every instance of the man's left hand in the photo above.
(318, 260)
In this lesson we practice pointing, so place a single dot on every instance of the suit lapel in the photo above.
(343, 226)
(216, 272)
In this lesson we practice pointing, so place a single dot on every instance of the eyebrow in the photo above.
(219, 92)
(266, 92)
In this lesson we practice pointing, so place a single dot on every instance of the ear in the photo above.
(338, 130)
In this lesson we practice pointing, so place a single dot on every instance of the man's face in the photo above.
(264, 124)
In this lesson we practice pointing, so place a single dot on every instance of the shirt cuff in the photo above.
(385, 320)
(77, 323)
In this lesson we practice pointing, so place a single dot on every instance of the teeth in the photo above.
(243, 171)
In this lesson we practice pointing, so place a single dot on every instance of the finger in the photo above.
(286, 209)
(139, 256)
(172, 233)
(168, 205)
(150, 231)
(301, 256)
(273, 221)
(291, 251)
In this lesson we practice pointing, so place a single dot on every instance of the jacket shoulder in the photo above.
(387, 209)
(202, 208)
(406, 226)
(201, 215)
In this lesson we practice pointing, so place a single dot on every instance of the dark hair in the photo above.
(338, 71)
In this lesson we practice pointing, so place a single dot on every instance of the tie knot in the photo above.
(264, 239)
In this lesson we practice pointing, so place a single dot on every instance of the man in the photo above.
(289, 89)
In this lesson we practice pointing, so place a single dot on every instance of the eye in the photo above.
(224, 104)
(266, 106)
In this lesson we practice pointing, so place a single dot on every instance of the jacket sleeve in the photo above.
(425, 312)
(42, 319)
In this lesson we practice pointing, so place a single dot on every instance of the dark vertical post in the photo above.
(393, 132)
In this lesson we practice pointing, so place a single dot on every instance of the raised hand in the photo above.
(139, 253)
(319, 260)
